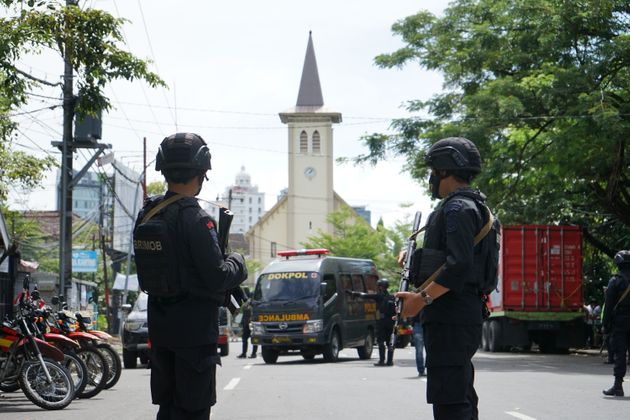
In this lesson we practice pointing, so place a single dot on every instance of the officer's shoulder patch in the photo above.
(453, 206)
(451, 210)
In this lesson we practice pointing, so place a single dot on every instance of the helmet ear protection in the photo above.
(622, 258)
(183, 151)
(456, 156)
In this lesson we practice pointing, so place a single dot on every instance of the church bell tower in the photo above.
(310, 193)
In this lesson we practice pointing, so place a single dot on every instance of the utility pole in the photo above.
(144, 166)
(65, 228)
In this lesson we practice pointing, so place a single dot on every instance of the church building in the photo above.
(302, 211)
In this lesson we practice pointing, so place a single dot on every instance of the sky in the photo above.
(231, 67)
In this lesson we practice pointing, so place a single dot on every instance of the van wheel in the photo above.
(331, 350)
(224, 349)
(365, 352)
(130, 359)
(270, 356)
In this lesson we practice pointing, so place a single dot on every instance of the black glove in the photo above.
(238, 258)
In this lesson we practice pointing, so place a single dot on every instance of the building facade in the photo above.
(244, 200)
(301, 212)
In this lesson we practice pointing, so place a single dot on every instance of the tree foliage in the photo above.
(90, 39)
(543, 88)
(156, 188)
(354, 238)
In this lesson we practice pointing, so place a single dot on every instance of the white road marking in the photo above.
(232, 384)
(519, 415)
(247, 367)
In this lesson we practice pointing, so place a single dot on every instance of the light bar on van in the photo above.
(298, 252)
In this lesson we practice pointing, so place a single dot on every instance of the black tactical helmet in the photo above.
(622, 259)
(383, 282)
(454, 154)
(183, 151)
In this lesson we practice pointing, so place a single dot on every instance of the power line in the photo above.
(146, 32)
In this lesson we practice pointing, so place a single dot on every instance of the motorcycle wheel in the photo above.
(97, 369)
(9, 386)
(50, 396)
(114, 363)
(78, 371)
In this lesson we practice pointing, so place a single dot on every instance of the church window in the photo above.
(303, 142)
(317, 148)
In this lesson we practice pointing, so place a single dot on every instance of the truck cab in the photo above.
(300, 304)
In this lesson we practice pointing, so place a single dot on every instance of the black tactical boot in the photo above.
(380, 363)
(616, 390)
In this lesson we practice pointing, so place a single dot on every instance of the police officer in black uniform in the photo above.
(385, 323)
(183, 309)
(246, 311)
(616, 320)
(451, 305)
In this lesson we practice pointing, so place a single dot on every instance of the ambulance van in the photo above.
(301, 305)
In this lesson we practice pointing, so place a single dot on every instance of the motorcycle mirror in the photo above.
(126, 308)
(55, 300)
(322, 288)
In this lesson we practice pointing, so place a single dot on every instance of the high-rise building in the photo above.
(244, 200)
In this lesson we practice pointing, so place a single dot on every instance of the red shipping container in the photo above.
(540, 269)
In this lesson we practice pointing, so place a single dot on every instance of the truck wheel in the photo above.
(365, 352)
(270, 356)
(130, 359)
(495, 336)
(331, 350)
(485, 336)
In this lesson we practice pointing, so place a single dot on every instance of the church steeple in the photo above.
(310, 93)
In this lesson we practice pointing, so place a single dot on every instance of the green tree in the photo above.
(354, 238)
(156, 188)
(543, 88)
(89, 38)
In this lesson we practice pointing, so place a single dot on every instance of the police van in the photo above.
(300, 304)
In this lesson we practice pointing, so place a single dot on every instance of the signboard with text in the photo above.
(84, 261)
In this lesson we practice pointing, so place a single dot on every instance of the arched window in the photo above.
(303, 142)
(317, 148)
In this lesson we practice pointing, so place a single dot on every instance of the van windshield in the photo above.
(287, 286)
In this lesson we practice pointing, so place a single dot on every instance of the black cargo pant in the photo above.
(183, 381)
(384, 331)
(619, 343)
(450, 372)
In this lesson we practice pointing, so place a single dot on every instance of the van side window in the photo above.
(331, 286)
(370, 283)
(357, 283)
(346, 282)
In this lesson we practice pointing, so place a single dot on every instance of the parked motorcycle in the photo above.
(109, 352)
(33, 363)
(62, 322)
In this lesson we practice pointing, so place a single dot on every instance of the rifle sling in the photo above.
(160, 206)
(625, 293)
(482, 234)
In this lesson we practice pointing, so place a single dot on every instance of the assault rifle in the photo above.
(235, 297)
(404, 280)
